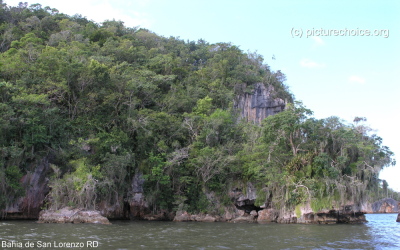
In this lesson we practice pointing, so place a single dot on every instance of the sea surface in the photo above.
(380, 232)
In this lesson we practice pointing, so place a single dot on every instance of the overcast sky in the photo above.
(341, 58)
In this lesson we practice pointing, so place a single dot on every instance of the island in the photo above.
(120, 120)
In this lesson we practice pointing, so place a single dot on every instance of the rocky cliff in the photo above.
(36, 188)
(259, 104)
(386, 205)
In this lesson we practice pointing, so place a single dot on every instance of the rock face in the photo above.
(115, 210)
(336, 216)
(245, 199)
(36, 189)
(69, 215)
(267, 215)
(133, 206)
(349, 214)
(386, 205)
(138, 207)
(259, 104)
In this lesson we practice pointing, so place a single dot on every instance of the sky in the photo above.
(341, 58)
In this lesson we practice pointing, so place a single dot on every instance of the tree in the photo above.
(287, 128)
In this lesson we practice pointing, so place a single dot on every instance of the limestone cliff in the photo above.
(259, 104)
(386, 205)
(36, 188)
(36, 185)
(248, 211)
(138, 207)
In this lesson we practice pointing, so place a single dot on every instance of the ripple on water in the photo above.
(381, 232)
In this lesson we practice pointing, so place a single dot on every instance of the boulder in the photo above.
(209, 218)
(69, 215)
(267, 215)
(182, 216)
(185, 216)
(162, 215)
(244, 218)
(228, 216)
(398, 218)
(386, 205)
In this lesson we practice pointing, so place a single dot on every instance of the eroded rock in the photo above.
(162, 215)
(245, 199)
(138, 207)
(69, 215)
(245, 218)
(267, 215)
(346, 214)
(183, 216)
(386, 205)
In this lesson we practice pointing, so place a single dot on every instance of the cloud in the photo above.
(307, 63)
(356, 79)
(318, 40)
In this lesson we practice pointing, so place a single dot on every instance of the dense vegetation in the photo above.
(104, 101)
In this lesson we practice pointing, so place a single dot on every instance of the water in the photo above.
(381, 232)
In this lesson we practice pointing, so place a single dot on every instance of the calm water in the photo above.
(381, 232)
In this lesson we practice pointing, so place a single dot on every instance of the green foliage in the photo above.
(13, 176)
(321, 203)
(203, 106)
(107, 101)
(158, 183)
(10, 178)
(298, 211)
(77, 188)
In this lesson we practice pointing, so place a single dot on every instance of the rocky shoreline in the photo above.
(271, 216)
(72, 215)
